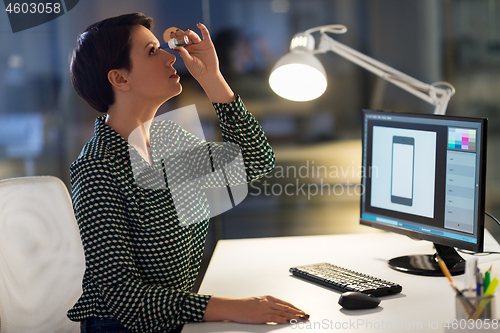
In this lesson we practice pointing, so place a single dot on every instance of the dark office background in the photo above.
(44, 124)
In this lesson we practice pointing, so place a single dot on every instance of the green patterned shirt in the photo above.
(141, 263)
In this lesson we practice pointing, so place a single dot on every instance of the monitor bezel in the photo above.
(479, 246)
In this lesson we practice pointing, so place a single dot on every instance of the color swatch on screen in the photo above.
(461, 138)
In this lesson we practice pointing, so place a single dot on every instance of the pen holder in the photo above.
(475, 307)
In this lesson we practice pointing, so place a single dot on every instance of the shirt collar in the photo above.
(120, 147)
(109, 136)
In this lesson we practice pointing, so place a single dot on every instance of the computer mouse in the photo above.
(353, 300)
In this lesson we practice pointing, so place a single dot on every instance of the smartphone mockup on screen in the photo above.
(402, 165)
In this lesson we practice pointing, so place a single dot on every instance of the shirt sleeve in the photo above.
(240, 127)
(244, 155)
(99, 207)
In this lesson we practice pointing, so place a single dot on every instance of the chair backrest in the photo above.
(41, 256)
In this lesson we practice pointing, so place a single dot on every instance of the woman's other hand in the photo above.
(253, 310)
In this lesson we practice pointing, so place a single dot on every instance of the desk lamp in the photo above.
(300, 76)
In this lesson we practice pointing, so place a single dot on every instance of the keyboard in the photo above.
(343, 279)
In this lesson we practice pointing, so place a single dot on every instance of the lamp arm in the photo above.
(333, 28)
(439, 97)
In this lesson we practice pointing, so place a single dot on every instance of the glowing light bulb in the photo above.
(298, 77)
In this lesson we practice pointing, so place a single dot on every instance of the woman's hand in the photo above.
(199, 56)
(254, 310)
(201, 60)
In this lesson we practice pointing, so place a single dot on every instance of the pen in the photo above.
(469, 308)
(445, 270)
(489, 292)
(470, 277)
(479, 282)
(487, 278)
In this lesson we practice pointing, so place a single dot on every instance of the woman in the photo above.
(141, 262)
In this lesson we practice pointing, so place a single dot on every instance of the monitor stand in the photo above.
(426, 264)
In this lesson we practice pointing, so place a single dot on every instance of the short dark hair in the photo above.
(103, 46)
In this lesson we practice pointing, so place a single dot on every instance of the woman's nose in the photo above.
(169, 58)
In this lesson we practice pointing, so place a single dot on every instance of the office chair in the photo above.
(41, 256)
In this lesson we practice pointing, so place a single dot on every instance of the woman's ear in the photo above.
(118, 79)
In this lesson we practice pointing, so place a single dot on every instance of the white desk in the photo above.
(256, 267)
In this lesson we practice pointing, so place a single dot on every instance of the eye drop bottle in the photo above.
(175, 42)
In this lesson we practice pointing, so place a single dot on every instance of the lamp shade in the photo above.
(298, 76)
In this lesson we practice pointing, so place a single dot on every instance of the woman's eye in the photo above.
(153, 50)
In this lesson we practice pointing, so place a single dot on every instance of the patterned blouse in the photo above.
(141, 262)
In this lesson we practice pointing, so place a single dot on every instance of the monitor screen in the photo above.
(424, 177)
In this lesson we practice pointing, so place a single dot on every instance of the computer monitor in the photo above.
(424, 177)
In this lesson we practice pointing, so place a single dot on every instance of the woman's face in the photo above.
(152, 77)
